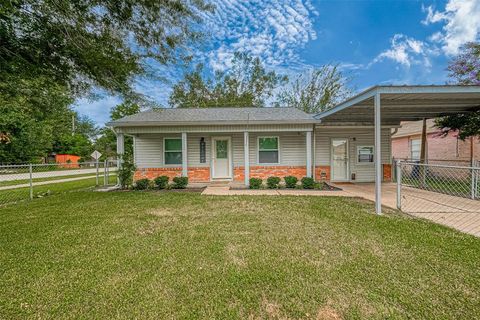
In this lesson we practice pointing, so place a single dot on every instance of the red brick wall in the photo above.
(263, 172)
(387, 172)
(201, 174)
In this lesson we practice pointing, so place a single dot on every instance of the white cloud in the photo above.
(407, 51)
(274, 30)
(462, 24)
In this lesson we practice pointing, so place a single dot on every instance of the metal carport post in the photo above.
(378, 154)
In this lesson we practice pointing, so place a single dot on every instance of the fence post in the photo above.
(105, 177)
(399, 184)
(30, 171)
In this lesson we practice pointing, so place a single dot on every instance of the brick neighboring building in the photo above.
(406, 144)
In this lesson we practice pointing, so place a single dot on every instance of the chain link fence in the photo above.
(437, 188)
(29, 181)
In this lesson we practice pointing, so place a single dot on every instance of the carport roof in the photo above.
(403, 103)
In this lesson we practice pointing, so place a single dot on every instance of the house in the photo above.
(349, 143)
(440, 148)
(235, 144)
(67, 160)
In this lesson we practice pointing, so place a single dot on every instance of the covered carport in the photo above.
(387, 106)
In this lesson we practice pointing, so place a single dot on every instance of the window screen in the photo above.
(173, 151)
(415, 146)
(365, 154)
(268, 150)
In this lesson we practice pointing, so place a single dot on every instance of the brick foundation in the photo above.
(200, 174)
(263, 172)
(387, 172)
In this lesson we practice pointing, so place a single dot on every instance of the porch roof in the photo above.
(214, 116)
(404, 103)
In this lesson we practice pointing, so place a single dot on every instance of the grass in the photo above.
(23, 194)
(183, 255)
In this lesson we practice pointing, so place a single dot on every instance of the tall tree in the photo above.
(246, 84)
(316, 90)
(465, 69)
(107, 141)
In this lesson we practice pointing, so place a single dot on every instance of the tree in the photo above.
(107, 141)
(465, 69)
(245, 84)
(316, 91)
(82, 43)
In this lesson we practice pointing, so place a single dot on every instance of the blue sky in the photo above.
(374, 41)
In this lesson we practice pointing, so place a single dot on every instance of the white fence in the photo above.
(29, 181)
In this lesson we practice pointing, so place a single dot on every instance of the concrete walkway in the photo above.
(455, 212)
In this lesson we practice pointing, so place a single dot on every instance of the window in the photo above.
(415, 146)
(365, 154)
(268, 150)
(172, 150)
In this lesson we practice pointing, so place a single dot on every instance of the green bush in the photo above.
(291, 182)
(273, 182)
(180, 182)
(308, 183)
(161, 182)
(255, 183)
(142, 184)
(125, 173)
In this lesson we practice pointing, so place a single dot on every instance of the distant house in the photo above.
(67, 160)
(450, 149)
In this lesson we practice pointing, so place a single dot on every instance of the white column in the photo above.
(120, 144)
(378, 155)
(246, 159)
(308, 138)
(184, 155)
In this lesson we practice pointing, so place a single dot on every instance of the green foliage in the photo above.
(161, 182)
(126, 171)
(308, 183)
(245, 84)
(255, 183)
(180, 182)
(273, 182)
(316, 90)
(290, 182)
(465, 69)
(142, 184)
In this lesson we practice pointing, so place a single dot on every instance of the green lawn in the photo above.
(182, 255)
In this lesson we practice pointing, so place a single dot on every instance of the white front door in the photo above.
(339, 159)
(221, 158)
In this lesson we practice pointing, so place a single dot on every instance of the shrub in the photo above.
(272, 182)
(161, 182)
(255, 183)
(291, 182)
(142, 184)
(125, 173)
(308, 183)
(180, 182)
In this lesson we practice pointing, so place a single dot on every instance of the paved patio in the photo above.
(459, 213)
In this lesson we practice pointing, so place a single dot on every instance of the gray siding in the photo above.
(356, 137)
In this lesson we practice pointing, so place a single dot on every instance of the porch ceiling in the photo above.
(404, 103)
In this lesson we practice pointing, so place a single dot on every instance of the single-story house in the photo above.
(349, 143)
(440, 148)
(239, 143)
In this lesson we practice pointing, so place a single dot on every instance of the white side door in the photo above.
(339, 161)
(221, 158)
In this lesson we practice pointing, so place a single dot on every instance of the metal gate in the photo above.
(424, 188)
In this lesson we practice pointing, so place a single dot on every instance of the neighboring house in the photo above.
(449, 149)
(218, 143)
(67, 160)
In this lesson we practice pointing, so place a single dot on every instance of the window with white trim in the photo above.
(365, 154)
(268, 151)
(415, 146)
(172, 150)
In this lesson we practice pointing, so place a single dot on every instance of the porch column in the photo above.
(184, 155)
(120, 148)
(378, 155)
(308, 138)
(246, 159)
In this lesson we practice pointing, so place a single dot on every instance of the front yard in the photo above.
(182, 255)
